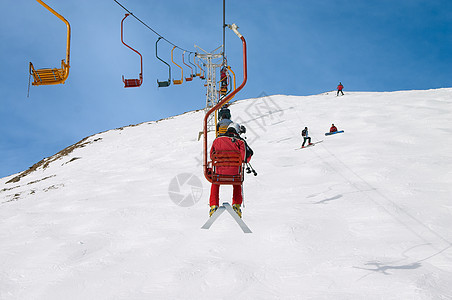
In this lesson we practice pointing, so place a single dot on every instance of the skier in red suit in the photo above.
(340, 87)
(231, 141)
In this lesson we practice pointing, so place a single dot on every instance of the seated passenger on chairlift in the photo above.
(231, 142)
(224, 81)
(224, 116)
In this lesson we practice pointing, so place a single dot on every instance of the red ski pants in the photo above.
(215, 194)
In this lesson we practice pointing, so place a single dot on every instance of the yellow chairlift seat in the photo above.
(50, 76)
(175, 81)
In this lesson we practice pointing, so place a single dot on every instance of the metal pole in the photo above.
(224, 30)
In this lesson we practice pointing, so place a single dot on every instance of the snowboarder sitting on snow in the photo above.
(306, 137)
(333, 128)
(231, 141)
(224, 115)
(340, 87)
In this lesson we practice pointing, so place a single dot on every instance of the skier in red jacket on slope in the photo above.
(340, 87)
(231, 141)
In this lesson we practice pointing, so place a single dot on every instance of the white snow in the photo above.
(366, 214)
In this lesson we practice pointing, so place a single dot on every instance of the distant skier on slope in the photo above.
(333, 128)
(231, 141)
(306, 137)
(340, 87)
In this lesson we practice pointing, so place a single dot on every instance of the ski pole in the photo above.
(249, 169)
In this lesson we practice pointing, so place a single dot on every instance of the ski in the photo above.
(236, 217)
(304, 147)
(330, 133)
(213, 217)
(226, 207)
(312, 144)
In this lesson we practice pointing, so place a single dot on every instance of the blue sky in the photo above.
(294, 47)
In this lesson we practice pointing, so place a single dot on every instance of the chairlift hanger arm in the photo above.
(233, 74)
(181, 69)
(122, 40)
(201, 69)
(68, 42)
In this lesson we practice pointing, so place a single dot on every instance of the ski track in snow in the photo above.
(364, 214)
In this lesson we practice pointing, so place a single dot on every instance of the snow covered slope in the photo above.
(366, 214)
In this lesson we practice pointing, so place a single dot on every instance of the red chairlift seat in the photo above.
(132, 82)
(226, 159)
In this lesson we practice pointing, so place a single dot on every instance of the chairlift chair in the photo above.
(219, 159)
(168, 82)
(194, 74)
(197, 74)
(175, 81)
(51, 76)
(191, 75)
(224, 82)
(132, 82)
(203, 72)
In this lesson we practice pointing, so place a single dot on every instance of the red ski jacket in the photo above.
(340, 87)
(227, 143)
(333, 129)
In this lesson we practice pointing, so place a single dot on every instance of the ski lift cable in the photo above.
(159, 35)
